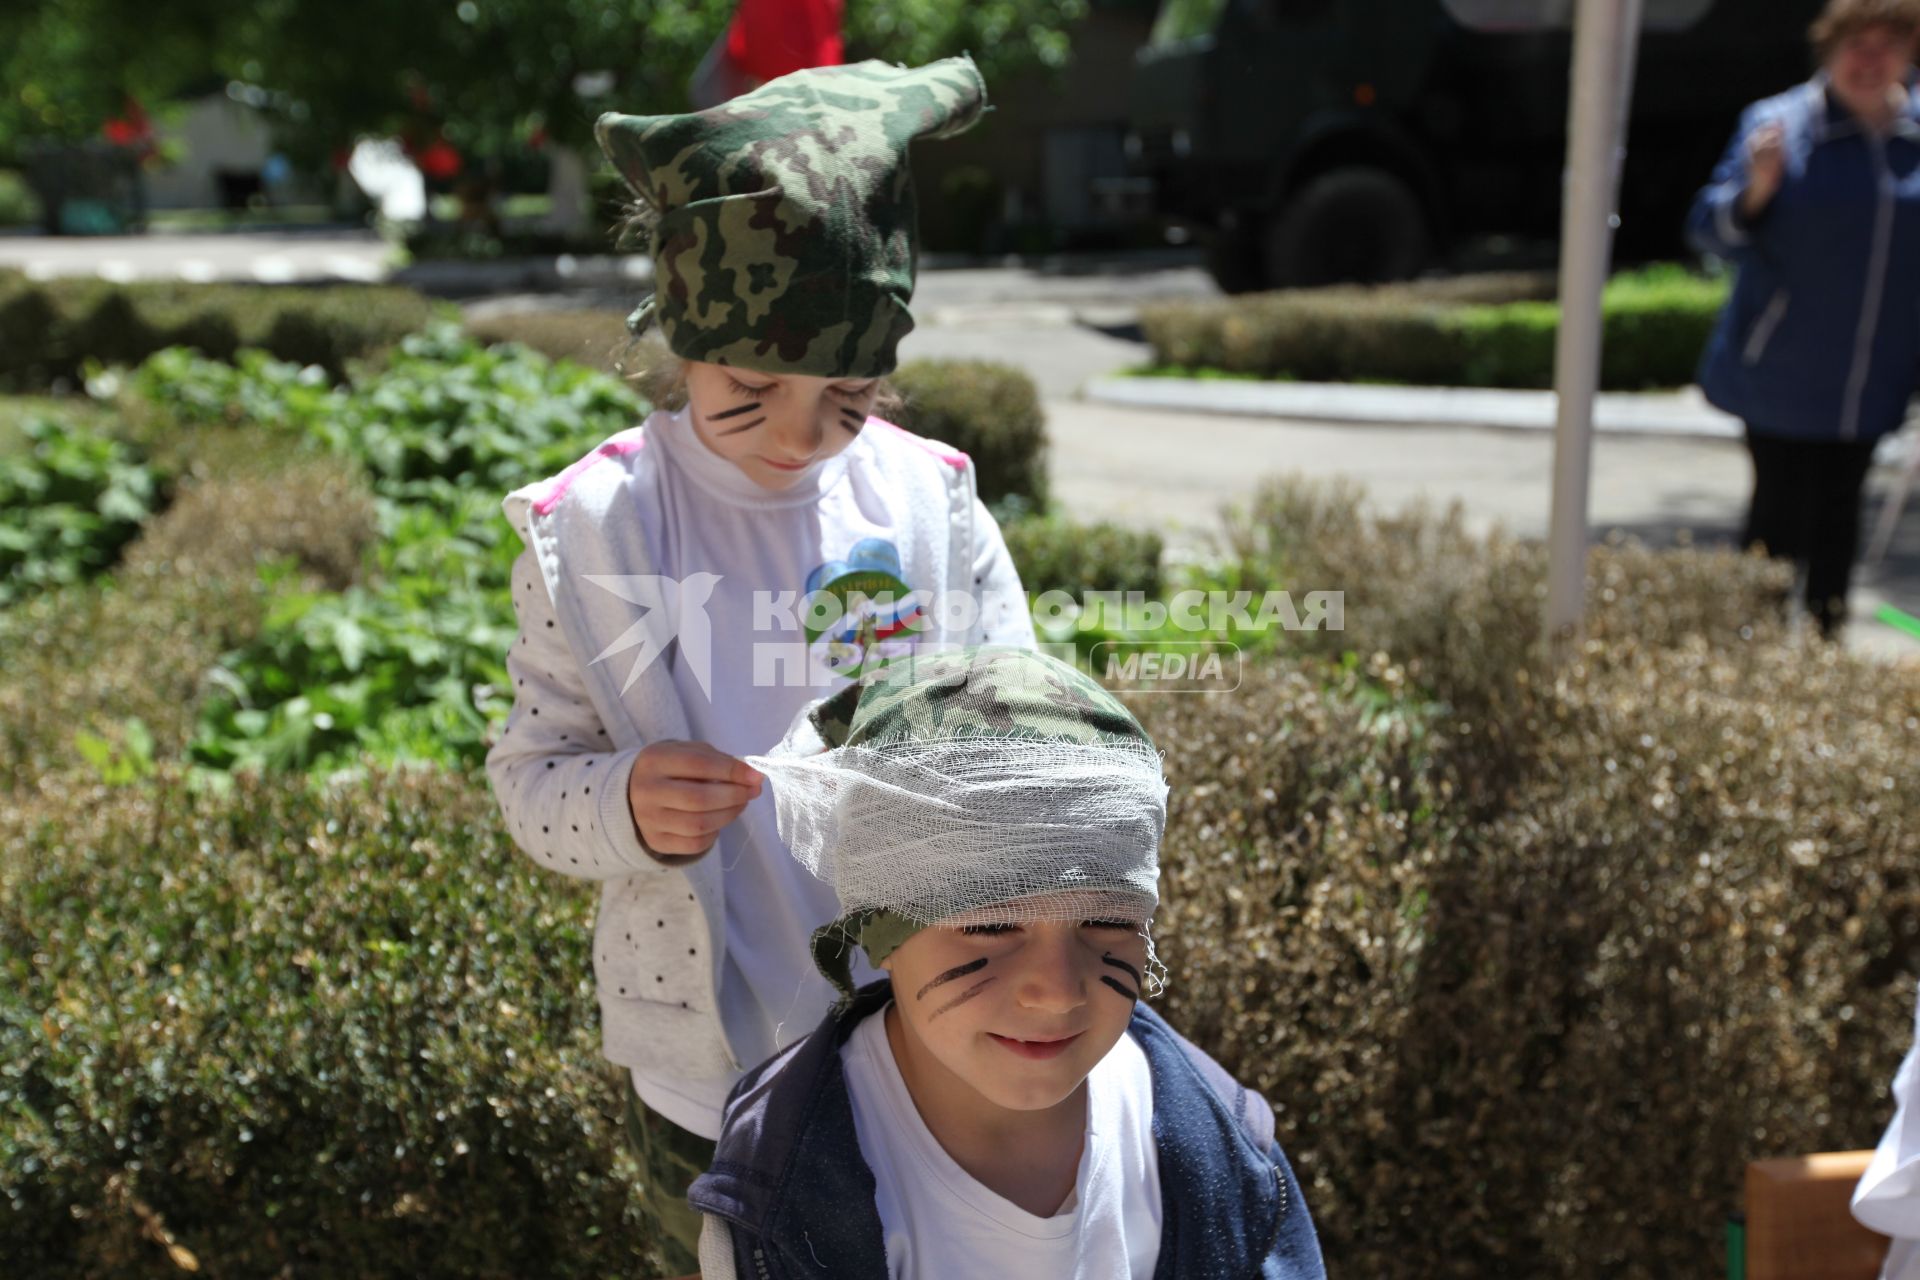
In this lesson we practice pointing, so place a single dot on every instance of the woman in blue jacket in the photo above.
(1817, 204)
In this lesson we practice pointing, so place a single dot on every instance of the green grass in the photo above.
(1204, 373)
(15, 410)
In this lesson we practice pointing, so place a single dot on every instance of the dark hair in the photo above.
(1843, 18)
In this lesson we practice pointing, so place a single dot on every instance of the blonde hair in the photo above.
(1844, 18)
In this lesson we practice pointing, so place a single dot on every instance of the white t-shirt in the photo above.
(939, 1222)
(1887, 1199)
(711, 518)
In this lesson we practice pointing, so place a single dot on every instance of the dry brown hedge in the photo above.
(1532, 965)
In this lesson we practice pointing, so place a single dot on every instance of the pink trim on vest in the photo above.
(631, 441)
(954, 459)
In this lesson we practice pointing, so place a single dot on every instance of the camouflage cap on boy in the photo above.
(976, 779)
(785, 240)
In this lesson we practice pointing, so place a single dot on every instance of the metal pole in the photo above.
(1605, 34)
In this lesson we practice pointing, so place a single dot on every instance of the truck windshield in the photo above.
(1548, 15)
(1182, 20)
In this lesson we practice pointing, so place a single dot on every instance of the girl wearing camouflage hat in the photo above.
(660, 597)
(1001, 1103)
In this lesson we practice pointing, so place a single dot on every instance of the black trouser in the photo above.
(1806, 508)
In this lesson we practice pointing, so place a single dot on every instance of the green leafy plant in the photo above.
(68, 503)
(407, 664)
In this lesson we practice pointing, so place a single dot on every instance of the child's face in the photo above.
(1020, 1013)
(775, 426)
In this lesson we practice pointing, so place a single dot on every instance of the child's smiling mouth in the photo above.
(1039, 1049)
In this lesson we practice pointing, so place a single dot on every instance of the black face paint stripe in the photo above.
(964, 996)
(958, 971)
(734, 412)
(1119, 986)
(1122, 964)
(745, 426)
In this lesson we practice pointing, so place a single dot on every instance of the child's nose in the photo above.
(1054, 979)
(798, 430)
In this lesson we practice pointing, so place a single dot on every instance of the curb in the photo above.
(566, 271)
(1683, 414)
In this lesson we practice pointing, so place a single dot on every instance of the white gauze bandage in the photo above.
(1034, 829)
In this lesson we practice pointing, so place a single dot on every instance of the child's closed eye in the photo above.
(1125, 926)
(987, 930)
(751, 393)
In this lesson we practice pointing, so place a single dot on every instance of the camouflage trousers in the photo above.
(670, 1158)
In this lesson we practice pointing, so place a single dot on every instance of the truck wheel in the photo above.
(1234, 254)
(1359, 225)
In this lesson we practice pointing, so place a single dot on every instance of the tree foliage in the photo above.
(482, 73)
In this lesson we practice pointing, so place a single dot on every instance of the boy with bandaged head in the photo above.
(1000, 1104)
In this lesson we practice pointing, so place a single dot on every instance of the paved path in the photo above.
(268, 256)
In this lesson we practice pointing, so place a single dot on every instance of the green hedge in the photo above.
(1656, 325)
(339, 1032)
(48, 329)
(991, 412)
(1057, 554)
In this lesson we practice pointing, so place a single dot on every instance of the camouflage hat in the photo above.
(785, 240)
(994, 695)
(995, 691)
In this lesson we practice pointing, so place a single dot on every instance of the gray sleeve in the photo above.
(561, 786)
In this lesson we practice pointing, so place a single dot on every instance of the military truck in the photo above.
(1315, 141)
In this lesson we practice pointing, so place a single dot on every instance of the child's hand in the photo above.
(682, 793)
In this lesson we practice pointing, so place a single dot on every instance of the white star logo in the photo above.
(670, 608)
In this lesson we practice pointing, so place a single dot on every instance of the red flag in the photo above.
(769, 38)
